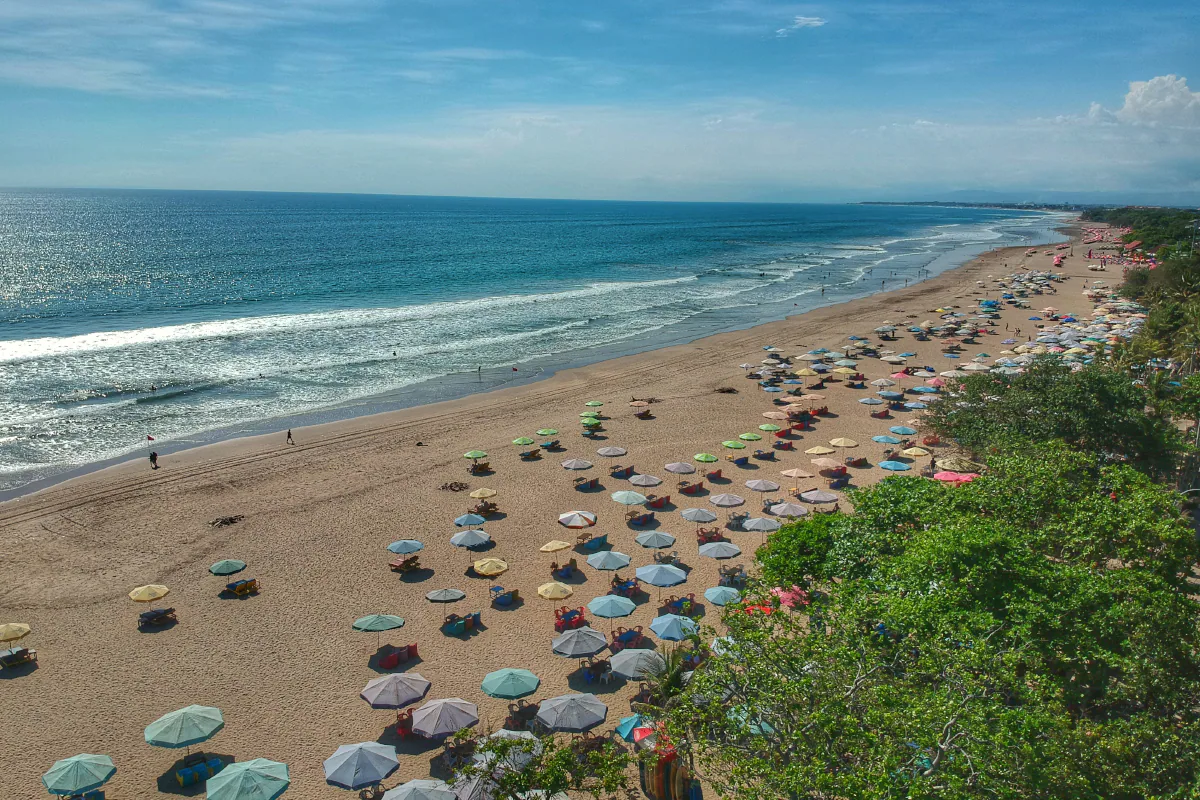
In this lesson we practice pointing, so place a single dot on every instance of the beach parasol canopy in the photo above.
(374, 623)
(227, 566)
(357, 766)
(12, 631)
(516, 758)
(733, 445)
(547, 431)
(760, 524)
(443, 717)
(870, 401)
(661, 575)
(445, 595)
(396, 690)
(590, 422)
(149, 593)
(593, 404)
(825, 463)
(490, 567)
(628, 725)
(720, 596)
(78, 774)
(576, 463)
(720, 550)
(579, 642)
(842, 441)
(750, 437)
(726, 500)
(760, 485)
(474, 455)
(819, 496)
(704, 458)
(405, 547)
(820, 450)
(795, 473)
(914, 452)
(467, 520)
(788, 510)
(612, 452)
(258, 779)
(902, 430)
(680, 468)
(185, 727)
(474, 538)
(608, 560)
(885, 439)
(628, 498)
(894, 466)
(770, 428)
(673, 628)
(555, 546)
(636, 664)
(523, 440)
(421, 789)
(572, 713)
(655, 539)
(483, 493)
(577, 519)
(645, 480)
(698, 515)
(555, 591)
(611, 605)
(510, 683)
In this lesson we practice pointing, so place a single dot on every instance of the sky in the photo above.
(746, 100)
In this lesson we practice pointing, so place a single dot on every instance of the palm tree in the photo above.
(665, 685)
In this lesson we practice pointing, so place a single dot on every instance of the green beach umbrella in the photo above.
(185, 727)
(750, 437)
(474, 454)
(259, 779)
(590, 422)
(769, 428)
(628, 498)
(378, 622)
(78, 774)
(593, 403)
(523, 440)
(732, 445)
(510, 683)
(704, 458)
(547, 431)
(590, 414)
(227, 566)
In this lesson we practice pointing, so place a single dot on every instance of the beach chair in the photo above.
(857, 462)
(626, 637)
(621, 472)
(642, 413)
(931, 441)
(484, 508)
(654, 501)
(593, 668)
(881, 414)
(784, 445)
(480, 467)
(156, 616)
(707, 535)
(586, 484)
(689, 488)
(738, 461)
(243, 588)
(551, 445)
(503, 597)
(595, 543)
(530, 455)
(680, 605)
(188, 776)
(736, 520)
(713, 474)
(565, 571)
(624, 588)
(764, 455)
(17, 656)
(666, 558)
(94, 794)
(404, 723)
(405, 564)
(839, 482)
(639, 517)
(454, 625)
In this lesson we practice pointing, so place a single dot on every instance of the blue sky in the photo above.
(727, 100)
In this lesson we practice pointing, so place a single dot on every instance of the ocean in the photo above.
(197, 316)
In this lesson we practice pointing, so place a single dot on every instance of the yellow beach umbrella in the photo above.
(807, 373)
(11, 631)
(820, 450)
(491, 567)
(842, 441)
(845, 371)
(914, 452)
(484, 494)
(555, 591)
(149, 593)
(555, 546)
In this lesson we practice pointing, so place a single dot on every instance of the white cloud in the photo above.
(800, 23)
(1165, 100)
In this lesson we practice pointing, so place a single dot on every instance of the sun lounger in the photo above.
(587, 484)
(479, 467)
(595, 543)
(551, 445)
(483, 508)
(666, 558)
(713, 474)
(156, 616)
(17, 656)
(405, 564)
(621, 472)
(739, 461)
(931, 441)
(689, 488)
(764, 455)
(503, 597)
(530, 455)
(243, 587)
(639, 517)
(784, 445)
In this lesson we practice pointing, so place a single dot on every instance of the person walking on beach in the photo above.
(290, 440)
(154, 459)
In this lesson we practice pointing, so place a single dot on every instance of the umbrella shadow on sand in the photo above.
(411, 745)
(416, 575)
(578, 683)
(385, 651)
(19, 671)
(169, 784)
(161, 627)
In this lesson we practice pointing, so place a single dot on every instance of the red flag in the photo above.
(149, 438)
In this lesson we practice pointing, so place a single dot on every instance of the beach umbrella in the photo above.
(547, 431)
(589, 415)
(881, 382)
(396, 690)
(357, 766)
(680, 468)
(628, 725)
(421, 789)
(611, 605)
(770, 428)
(445, 595)
(760, 485)
(608, 560)
(443, 717)
(720, 550)
(636, 663)
(555, 546)
(722, 595)
(483, 493)
(772, 389)
(845, 371)
(760, 524)
(590, 422)
(13, 631)
(185, 727)
(705, 458)
(645, 480)
(655, 539)
(612, 452)
(257, 779)
(749, 437)
(572, 713)
(888, 395)
(405, 547)
(788, 510)
(576, 463)
(732, 445)
(579, 642)
(661, 575)
(698, 515)
(842, 441)
(925, 389)
(474, 455)
(826, 463)
(726, 500)
(820, 450)
(894, 466)
(374, 623)
(149, 593)
(628, 498)
(885, 439)
(510, 683)
(914, 452)
(593, 403)
(474, 538)
(467, 520)
(78, 774)
(902, 430)
(915, 406)
(516, 758)
(577, 519)
(228, 566)
(673, 628)
(819, 496)
(524, 440)
(870, 401)
(555, 591)
(795, 473)
(490, 567)
(639, 404)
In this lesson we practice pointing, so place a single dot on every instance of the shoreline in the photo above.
(459, 386)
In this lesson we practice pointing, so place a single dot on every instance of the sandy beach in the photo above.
(285, 666)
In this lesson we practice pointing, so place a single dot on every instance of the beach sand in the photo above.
(285, 666)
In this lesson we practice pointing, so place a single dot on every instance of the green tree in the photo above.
(518, 769)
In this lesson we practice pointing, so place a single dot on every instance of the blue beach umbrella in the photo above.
(889, 395)
(611, 605)
(227, 566)
(357, 766)
(608, 560)
(467, 520)
(719, 550)
(915, 406)
(470, 538)
(907, 355)
(894, 466)
(405, 547)
(510, 683)
(772, 389)
(78, 774)
(950, 355)
(721, 595)
(655, 539)
(924, 390)
(258, 779)
(661, 575)
(185, 727)
(793, 382)
(627, 724)
(673, 628)
(885, 439)
(902, 430)
(870, 401)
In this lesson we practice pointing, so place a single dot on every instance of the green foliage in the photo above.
(517, 769)
(1154, 227)
(797, 552)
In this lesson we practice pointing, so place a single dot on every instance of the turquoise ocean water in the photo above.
(194, 316)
